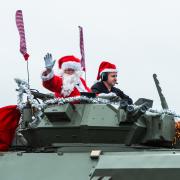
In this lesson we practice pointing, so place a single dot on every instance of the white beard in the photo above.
(69, 82)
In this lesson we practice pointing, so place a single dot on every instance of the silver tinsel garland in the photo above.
(40, 106)
(23, 88)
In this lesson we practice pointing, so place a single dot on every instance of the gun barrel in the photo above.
(162, 98)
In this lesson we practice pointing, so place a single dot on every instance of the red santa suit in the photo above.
(66, 85)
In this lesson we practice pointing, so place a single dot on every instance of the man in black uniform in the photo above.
(107, 75)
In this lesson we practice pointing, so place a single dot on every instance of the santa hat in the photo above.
(106, 67)
(69, 62)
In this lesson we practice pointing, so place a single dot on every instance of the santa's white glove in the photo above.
(49, 62)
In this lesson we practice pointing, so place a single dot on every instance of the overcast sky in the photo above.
(140, 37)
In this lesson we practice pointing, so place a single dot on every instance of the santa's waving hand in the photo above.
(49, 63)
(69, 83)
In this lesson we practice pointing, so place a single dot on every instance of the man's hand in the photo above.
(49, 62)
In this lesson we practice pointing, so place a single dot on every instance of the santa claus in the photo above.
(69, 83)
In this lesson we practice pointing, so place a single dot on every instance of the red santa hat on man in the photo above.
(69, 62)
(106, 67)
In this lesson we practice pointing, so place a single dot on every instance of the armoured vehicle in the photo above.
(88, 137)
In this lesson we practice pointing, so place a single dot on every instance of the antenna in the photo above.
(28, 74)
(161, 96)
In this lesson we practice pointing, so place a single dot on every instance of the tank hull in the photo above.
(70, 162)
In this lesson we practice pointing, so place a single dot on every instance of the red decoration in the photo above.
(9, 119)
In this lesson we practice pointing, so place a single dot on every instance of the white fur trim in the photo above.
(47, 77)
(109, 70)
(81, 87)
(72, 65)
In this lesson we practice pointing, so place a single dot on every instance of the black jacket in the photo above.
(99, 87)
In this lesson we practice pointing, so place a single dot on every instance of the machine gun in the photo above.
(151, 127)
